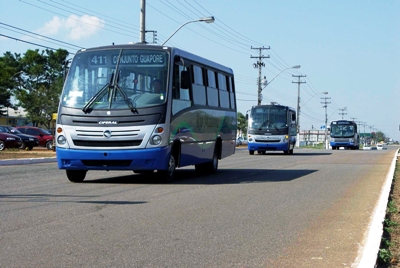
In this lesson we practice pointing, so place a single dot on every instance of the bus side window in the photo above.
(231, 89)
(212, 91)
(223, 93)
(198, 86)
(181, 95)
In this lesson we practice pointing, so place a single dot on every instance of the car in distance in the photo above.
(28, 141)
(367, 147)
(45, 138)
(243, 141)
(9, 141)
(381, 146)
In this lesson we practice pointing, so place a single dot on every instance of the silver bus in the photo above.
(111, 116)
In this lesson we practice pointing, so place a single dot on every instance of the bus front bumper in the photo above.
(147, 159)
(258, 146)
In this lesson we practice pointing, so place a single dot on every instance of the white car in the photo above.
(243, 141)
(367, 147)
(380, 146)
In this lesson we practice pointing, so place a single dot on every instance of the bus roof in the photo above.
(273, 105)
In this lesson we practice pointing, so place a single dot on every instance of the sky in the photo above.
(349, 49)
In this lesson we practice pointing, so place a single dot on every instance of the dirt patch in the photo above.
(34, 153)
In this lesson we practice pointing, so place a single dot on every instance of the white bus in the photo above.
(271, 128)
(110, 117)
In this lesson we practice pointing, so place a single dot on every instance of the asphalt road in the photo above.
(310, 209)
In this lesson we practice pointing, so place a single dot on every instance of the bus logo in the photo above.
(107, 134)
(108, 122)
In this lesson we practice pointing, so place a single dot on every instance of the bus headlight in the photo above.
(156, 140)
(61, 140)
(285, 139)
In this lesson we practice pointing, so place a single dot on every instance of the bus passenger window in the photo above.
(211, 79)
(197, 75)
(223, 93)
(181, 95)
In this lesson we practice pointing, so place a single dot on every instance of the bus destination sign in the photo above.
(144, 59)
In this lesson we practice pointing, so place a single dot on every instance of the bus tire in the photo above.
(291, 151)
(285, 152)
(168, 174)
(76, 175)
(209, 167)
(251, 152)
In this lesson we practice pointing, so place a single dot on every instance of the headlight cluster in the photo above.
(285, 139)
(156, 139)
(61, 140)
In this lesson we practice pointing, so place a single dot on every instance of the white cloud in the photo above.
(52, 27)
(82, 27)
(77, 28)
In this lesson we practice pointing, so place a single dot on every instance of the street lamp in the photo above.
(205, 19)
(266, 83)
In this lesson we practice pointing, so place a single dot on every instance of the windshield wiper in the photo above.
(124, 96)
(100, 94)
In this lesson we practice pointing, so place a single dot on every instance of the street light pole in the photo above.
(205, 19)
(298, 107)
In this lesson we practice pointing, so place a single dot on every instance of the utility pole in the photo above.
(143, 21)
(259, 65)
(325, 102)
(343, 113)
(298, 101)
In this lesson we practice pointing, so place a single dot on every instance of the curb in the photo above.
(26, 161)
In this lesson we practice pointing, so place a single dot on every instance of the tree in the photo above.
(242, 123)
(380, 136)
(40, 84)
(9, 66)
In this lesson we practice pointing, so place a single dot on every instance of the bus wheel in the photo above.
(168, 174)
(291, 151)
(251, 152)
(212, 167)
(286, 152)
(209, 167)
(76, 175)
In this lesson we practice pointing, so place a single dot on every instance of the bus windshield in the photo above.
(345, 131)
(116, 79)
(269, 117)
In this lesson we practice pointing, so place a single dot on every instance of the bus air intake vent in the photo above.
(126, 143)
(107, 163)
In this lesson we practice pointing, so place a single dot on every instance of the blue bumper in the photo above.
(252, 146)
(342, 144)
(144, 159)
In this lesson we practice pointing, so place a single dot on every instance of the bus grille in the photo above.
(117, 143)
(107, 163)
(267, 141)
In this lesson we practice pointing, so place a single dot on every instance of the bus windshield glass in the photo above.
(342, 130)
(274, 118)
(116, 79)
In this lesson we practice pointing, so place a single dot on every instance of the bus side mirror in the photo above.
(247, 116)
(185, 80)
